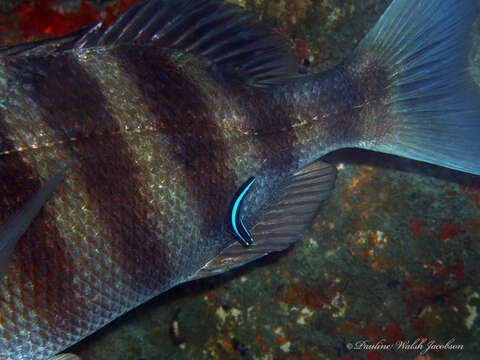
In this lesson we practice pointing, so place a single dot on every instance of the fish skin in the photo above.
(138, 167)
(17, 224)
(109, 240)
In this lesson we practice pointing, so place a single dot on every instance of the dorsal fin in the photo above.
(228, 36)
(46, 47)
(231, 39)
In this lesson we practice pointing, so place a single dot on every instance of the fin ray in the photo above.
(223, 33)
(46, 47)
(67, 356)
(16, 225)
(285, 218)
(435, 107)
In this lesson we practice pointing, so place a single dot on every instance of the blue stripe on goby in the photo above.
(246, 238)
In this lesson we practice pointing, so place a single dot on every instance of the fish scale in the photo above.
(94, 257)
(163, 116)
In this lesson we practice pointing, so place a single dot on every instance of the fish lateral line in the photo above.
(236, 222)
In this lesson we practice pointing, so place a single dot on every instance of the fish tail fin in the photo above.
(413, 63)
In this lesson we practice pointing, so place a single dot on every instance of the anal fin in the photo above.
(285, 219)
(12, 230)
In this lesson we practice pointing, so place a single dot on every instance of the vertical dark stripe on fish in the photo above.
(73, 105)
(325, 103)
(184, 115)
(269, 114)
(39, 257)
(333, 100)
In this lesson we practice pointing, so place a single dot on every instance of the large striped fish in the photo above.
(152, 152)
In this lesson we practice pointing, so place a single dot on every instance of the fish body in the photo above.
(162, 123)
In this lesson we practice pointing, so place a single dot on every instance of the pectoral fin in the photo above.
(286, 218)
(17, 224)
(68, 356)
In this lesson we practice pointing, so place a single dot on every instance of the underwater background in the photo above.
(394, 256)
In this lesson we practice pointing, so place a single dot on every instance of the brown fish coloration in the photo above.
(181, 142)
